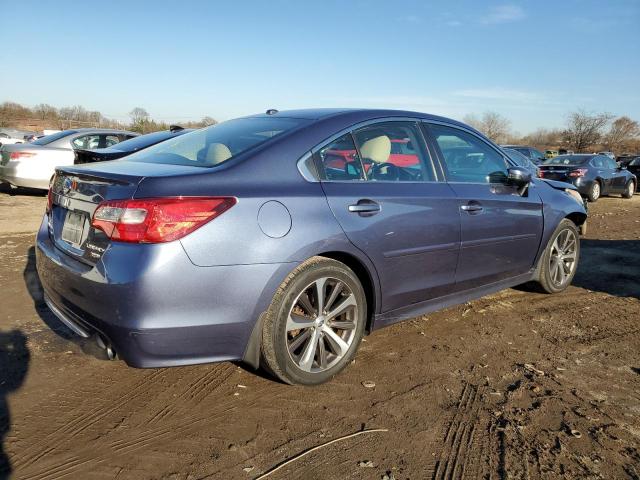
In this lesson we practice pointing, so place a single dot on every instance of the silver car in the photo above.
(32, 165)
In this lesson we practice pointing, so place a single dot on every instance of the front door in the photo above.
(500, 228)
(391, 207)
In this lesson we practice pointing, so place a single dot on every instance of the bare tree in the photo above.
(584, 129)
(543, 138)
(622, 131)
(492, 124)
(139, 116)
(207, 121)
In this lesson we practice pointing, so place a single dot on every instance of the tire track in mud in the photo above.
(122, 444)
(463, 444)
(68, 430)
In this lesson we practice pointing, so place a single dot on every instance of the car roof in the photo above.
(355, 115)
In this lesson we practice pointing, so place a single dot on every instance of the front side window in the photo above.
(393, 151)
(635, 162)
(467, 158)
(217, 144)
(598, 162)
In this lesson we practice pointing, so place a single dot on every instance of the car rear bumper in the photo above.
(11, 173)
(153, 305)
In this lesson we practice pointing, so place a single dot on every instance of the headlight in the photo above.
(574, 194)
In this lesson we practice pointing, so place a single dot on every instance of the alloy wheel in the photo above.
(562, 260)
(321, 325)
(595, 191)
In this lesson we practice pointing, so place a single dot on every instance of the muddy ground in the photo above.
(516, 385)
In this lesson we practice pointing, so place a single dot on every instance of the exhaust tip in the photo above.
(105, 345)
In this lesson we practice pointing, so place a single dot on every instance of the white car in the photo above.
(31, 165)
(608, 154)
(9, 140)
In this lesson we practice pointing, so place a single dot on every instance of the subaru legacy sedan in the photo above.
(247, 241)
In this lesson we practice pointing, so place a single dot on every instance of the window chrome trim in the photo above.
(308, 172)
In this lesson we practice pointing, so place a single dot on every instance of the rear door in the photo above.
(398, 213)
(500, 229)
(619, 177)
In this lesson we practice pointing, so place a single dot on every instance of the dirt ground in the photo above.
(515, 385)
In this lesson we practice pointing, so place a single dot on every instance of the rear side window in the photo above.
(339, 160)
(467, 158)
(217, 144)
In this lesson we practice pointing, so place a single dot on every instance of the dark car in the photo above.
(593, 175)
(522, 161)
(533, 154)
(244, 241)
(633, 166)
(128, 147)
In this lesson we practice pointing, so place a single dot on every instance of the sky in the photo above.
(531, 61)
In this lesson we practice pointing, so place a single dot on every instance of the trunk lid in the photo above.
(77, 192)
(556, 172)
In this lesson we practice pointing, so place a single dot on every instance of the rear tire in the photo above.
(594, 191)
(559, 260)
(315, 322)
(629, 190)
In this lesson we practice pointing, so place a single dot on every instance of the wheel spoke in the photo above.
(299, 340)
(348, 302)
(305, 303)
(338, 345)
(343, 325)
(322, 353)
(309, 352)
(297, 322)
(561, 273)
(319, 286)
(334, 294)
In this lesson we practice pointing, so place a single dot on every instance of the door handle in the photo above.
(365, 207)
(471, 208)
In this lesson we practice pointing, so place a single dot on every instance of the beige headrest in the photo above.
(218, 153)
(377, 149)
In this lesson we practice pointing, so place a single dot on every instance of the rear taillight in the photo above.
(157, 220)
(20, 155)
(578, 172)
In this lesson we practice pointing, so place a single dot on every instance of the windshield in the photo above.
(143, 141)
(216, 144)
(566, 160)
(47, 139)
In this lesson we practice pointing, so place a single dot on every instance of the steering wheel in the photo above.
(392, 170)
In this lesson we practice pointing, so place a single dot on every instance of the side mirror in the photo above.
(518, 176)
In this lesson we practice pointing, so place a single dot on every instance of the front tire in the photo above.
(559, 261)
(629, 190)
(315, 322)
(594, 191)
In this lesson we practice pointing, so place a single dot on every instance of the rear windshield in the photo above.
(47, 139)
(566, 160)
(143, 141)
(214, 145)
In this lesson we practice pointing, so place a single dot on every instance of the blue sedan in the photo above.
(282, 238)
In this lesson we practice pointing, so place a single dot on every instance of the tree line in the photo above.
(582, 132)
(44, 116)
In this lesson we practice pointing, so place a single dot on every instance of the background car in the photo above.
(550, 154)
(633, 166)
(128, 147)
(594, 175)
(32, 164)
(6, 139)
(523, 161)
(533, 154)
(608, 154)
(241, 242)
